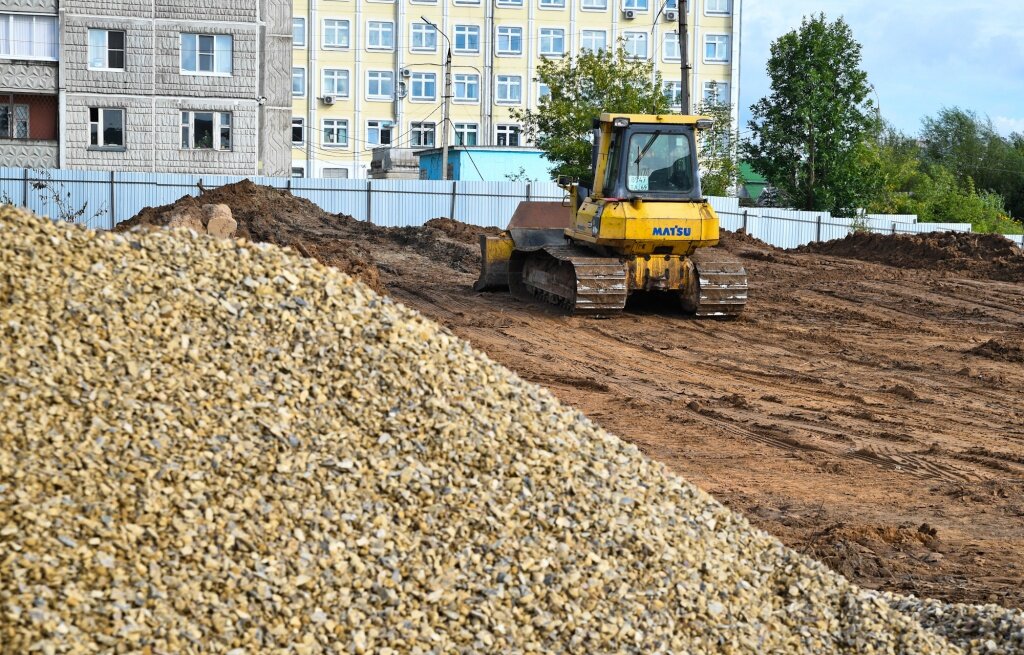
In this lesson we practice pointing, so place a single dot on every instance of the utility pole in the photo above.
(684, 62)
(444, 112)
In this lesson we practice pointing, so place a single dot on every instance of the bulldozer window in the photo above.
(611, 173)
(660, 162)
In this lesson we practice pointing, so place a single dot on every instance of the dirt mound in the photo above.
(1000, 350)
(989, 256)
(270, 215)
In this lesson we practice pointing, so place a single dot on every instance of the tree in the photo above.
(581, 88)
(719, 169)
(811, 134)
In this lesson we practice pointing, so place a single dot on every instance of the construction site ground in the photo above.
(870, 415)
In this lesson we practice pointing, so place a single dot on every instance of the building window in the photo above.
(552, 4)
(298, 81)
(424, 86)
(467, 38)
(422, 134)
(508, 135)
(336, 173)
(635, 5)
(671, 4)
(674, 93)
(29, 37)
(465, 134)
(380, 85)
(106, 128)
(636, 44)
(380, 35)
(106, 49)
(334, 82)
(424, 38)
(509, 3)
(543, 90)
(594, 40)
(466, 87)
(335, 132)
(510, 40)
(716, 47)
(298, 171)
(716, 6)
(299, 32)
(466, 2)
(206, 54)
(716, 92)
(378, 133)
(298, 130)
(206, 130)
(336, 33)
(552, 41)
(594, 5)
(510, 89)
(670, 52)
(14, 121)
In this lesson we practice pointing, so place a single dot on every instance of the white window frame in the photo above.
(671, 37)
(508, 33)
(106, 50)
(722, 41)
(507, 129)
(299, 122)
(380, 124)
(675, 100)
(380, 28)
(551, 4)
(469, 80)
(583, 39)
(99, 145)
(12, 121)
(344, 26)
(510, 4)
(423, 2)
(422, 79)
(345, 169)
(551, 33)
(421, 128)
(708, 11)
(594, 5)
(218, 127)
(423, 29)
(302, 20)
(346, 76)
(463, 129)
(636, 5)
(466, 2)
(327, 125)
(509, 82)
(298, 172)
(218, 54)
(637, 37)
(542, 90)
(381, 76)
(722, 91)
(466, 29)
(302, 93)
(53, 27)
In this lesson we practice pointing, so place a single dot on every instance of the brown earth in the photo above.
(870, 415)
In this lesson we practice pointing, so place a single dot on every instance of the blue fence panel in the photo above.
(407, 203)
(133, 192)
(12, 185)
(335, 196)
(61, 194)
(920, 228)
(490, 204)
(1016, 238)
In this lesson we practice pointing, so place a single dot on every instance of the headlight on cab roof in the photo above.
(705, 124)
(621, 121)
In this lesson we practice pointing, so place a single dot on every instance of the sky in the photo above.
(920, 55)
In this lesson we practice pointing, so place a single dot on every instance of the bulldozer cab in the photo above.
(649, 157)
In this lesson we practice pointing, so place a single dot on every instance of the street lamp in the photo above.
(446, 65)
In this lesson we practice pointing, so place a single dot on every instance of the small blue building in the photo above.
(487, 163)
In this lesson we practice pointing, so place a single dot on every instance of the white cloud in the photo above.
(1006, 126)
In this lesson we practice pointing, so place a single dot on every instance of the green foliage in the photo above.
(582, 87)
(719, 168)
(811, 135)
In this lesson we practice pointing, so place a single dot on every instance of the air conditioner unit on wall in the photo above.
(328, 100)
(406, 72)
(629, 14)
(671, 15)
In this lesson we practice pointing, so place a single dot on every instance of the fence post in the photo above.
(451, 214)
(24, 188)
(369, 201)
(113, 208)
(528, 190)
(894, 227)
(744, 221)
(818, 238)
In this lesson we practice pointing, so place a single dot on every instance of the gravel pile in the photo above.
(219, 446)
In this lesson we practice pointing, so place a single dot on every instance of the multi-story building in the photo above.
(368, 73)
(146, 85)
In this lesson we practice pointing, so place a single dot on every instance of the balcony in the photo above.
(28, 131)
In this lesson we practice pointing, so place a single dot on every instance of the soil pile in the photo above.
(1000, 350)
(209, 444)
(988, 256)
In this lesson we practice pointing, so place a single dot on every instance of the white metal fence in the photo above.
(111, 197)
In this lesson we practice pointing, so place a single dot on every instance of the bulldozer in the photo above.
(641, 226)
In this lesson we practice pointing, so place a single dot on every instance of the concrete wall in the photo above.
(23, 153)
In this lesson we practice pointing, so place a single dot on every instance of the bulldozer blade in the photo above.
(494, 255)
(535, 224)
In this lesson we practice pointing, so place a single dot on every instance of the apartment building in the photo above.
(146, 85)
(368, 73)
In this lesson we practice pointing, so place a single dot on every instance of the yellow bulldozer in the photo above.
(643, 226)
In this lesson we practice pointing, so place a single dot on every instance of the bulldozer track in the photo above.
(722, 284)
(577, 280)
